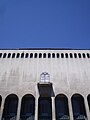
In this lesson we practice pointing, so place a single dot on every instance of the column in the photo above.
(18, 109)
(36, 104)
(87, 108)
(70, 109)
(53, 108)
(2, 107)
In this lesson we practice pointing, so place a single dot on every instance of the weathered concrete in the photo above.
(68, 75)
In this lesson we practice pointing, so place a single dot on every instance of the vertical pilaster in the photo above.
(2, 107)
(87, 108)
(53, 108)
(18, 109)
(70, 109)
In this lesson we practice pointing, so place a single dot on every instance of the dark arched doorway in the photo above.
(79, 112)
(61, 105)
(27, 107)
(10, 107)
(44, 108)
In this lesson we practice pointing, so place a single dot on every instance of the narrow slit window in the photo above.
(40, 55)
(49, 55)
(26, 56)
(31, 55)
(4, 55)
(13, 55)
(22, 55)
(18, 55)
(35, 55)
(0, 55)
(44, 55)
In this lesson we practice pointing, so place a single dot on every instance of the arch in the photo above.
(61, 106)
(4, 55)
(75, 55)
(44, 55)
(49, 55)
(35, 55)
(88, 55)
(62, 55)
(79, 55)
(0, 100)
(71, 55)
(18, 55)
(26, 56)
(31, 55)
(40, 55)
(88, 99)
(27, 107)
(66, 55)
(53, 55)
(22, 55)
(58, 55)
(9, 55)
(78, 107)
(83, 54)
(44, 108)
(10, 107)
(13, 55)
(0, 55)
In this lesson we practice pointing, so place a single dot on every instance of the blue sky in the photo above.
(45, 24)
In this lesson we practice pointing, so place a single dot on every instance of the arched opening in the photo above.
(10, 107)
(66, 55)
(44, 55)
(26, 56)
(71, 55)
(9, 55)
(0, 55)
(49, 55)
(13, 55)
(35, 55)
(75, 55)
(62, 55)
(44, 108)
(83, 54)
(4, 55)
(27, 107)
(61, 105)
(22, 55)
(57, 55)
(18, 55)
(53, 55)
(79, 55)
(0, 100)
(88, 98)
(88, 56)
(79, 112)
(40, 55)
(31, 55)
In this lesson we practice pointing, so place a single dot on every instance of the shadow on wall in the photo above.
(46, 90)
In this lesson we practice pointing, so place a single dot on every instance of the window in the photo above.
(66, 55)
(26, 56)
(79, 55)
(0, 55)
(10, 107)
(44, 108)
(9, 55)
(49, 55)
(31, 55)
(75, 55)
(62, 55)
(40, 55)
(22, 55)
(27, 107)
(57, 55)
(71, 56)
(53, 55)
(83, 54)
(4, 55)
(13, 55)
(88, 56)
(18, 55)
(44, 55)
(61, 106)
(78, 107)
(45, 77)
(35, 55)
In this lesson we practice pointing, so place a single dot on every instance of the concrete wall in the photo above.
(68, 75)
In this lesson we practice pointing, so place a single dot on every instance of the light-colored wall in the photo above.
(68, 75)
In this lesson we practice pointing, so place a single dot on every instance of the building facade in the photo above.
(44, 84)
